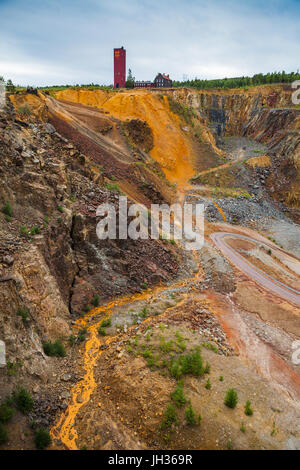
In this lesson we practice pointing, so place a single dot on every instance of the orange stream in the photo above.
(64, 429)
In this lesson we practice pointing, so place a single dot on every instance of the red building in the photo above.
(162, 80)
(142, 84)
(119, 67)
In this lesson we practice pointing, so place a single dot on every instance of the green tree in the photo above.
(42, 439)
(178, 396)
(10, 86)
(248, 409)
(231, 398)
(3, 434)
(191, 417)
(23, 400)
(6, 412)
(130, 80)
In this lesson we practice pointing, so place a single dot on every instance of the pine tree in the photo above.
(231, 398)
(248, 409)
(130, 80)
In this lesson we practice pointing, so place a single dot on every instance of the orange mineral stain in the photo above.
(172, 146)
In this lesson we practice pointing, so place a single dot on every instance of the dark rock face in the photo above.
(49, 183)
(140, 134)
(265, 114)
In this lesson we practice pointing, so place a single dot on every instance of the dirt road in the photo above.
(265, 280)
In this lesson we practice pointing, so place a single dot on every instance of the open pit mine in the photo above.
(141, 344)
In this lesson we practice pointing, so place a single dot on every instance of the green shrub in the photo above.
(7, 209)
(184, 111)
(178, 396)
(175, 370)
(102, 331)
(24, 232)
(144, 312)
(113, 187)
(165, 346)
(106, 323)
(54, 349)
(82, 335)
(147, 354)
(187, 364)
(248, 409)
(24, 110)
(3, 434)
(193, 364)
(24, 313)
(35, 230)
(61, 209)
(231, 398)
(6, 412)
(23, 400)
(221, 378)
(191, 417)
(208, 384)
(95, 300)
(72, 340)
(210, 346)
(169, 417)
(42, 439)
(12, 368)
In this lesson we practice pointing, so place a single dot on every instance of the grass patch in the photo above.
(7, 209)
(24, 314)
(113, 187)
(211, 347)
(13, 367)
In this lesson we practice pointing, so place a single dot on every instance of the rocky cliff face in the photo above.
(51, 261)
(265, 114)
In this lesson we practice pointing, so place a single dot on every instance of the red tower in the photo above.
(119, 67)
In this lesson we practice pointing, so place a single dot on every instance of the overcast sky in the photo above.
(71, 41)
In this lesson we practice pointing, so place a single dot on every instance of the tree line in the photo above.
(240, 82)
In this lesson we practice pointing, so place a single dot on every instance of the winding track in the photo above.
(265, 280)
